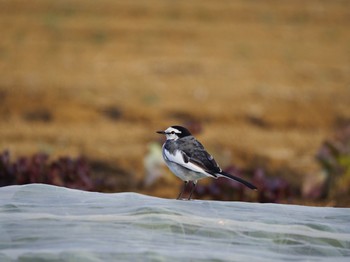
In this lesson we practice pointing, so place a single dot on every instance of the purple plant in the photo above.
(270, 189)
(69, 172)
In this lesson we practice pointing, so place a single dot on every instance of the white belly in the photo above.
(184, 173)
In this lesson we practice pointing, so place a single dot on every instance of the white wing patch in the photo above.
(178, 159)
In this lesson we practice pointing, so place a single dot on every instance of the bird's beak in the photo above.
(161, 132)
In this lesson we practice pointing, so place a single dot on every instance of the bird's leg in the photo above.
(183, 189)
(192, 190)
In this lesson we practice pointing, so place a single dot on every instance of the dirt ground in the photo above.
(267, 81)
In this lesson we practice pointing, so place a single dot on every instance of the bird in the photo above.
(187, 158)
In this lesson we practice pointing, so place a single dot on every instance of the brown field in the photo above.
(267, 80)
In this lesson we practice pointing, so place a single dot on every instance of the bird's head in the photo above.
(175, 132)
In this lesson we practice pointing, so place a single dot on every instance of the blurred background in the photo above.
(265, 86)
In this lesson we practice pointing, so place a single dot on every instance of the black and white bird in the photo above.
(187, 158)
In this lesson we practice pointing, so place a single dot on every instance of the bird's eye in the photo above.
(172, 132)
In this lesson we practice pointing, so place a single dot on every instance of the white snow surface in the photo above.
(47, 223)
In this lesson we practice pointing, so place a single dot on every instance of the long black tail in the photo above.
(251, 186)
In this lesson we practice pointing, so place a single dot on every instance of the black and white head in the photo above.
(175, 132)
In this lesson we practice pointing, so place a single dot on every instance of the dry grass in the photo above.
(268, 80)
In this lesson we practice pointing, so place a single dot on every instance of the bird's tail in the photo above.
(238, 179)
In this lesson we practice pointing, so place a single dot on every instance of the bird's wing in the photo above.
(181, 158)
(196, 160)
(210, 166)
(205, 161)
